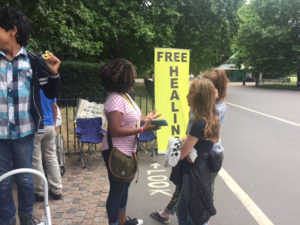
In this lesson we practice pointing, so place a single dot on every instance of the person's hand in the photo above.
(189, 159)
(149, 127)
(53, 63)
(152, 115)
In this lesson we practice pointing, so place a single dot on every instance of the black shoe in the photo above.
(133, 221)
(156, 215)
(54, 196)
(38, 198)
(27, 220)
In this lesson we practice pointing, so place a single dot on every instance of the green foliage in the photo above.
(268, 38)
(93, 30)
(81, 80)
(207, 27)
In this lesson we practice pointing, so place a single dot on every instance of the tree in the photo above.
(207, 27)
(93, 30)
(268, 38)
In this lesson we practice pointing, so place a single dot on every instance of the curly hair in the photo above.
(118, 76)
(203, 106)
(10, 17)
(220, 80)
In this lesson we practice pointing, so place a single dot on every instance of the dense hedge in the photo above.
(80, 80)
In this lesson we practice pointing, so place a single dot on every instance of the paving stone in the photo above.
(102, 204)
(67, 200)
(66, 222)
(58, 215)
(76, 201)
(98, 219)
(84, 195)
(71, 211)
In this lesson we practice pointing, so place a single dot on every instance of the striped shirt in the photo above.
(131, 116)
(15, 91)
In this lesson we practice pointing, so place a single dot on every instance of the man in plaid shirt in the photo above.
(22, 75)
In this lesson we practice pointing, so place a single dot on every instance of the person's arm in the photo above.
(52, 63)
(48, 75)
(54, 110)
(116, 130)
(187, 146)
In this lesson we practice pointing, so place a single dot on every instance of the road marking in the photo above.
(264, 114)
(254, 210)
(157, 181)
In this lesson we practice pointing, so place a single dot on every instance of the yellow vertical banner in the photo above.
(171, 86)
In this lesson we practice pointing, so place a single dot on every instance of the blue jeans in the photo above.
(183, 215)
(16, 154)
(118, 194)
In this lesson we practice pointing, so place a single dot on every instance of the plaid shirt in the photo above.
(15, 92)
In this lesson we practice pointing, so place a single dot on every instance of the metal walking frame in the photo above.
(35, 172)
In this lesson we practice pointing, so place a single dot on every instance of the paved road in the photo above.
(262, 155)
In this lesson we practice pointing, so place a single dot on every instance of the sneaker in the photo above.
(55, 196)
(38, 198)
(27, 220)
(133, 221)
(157, 215)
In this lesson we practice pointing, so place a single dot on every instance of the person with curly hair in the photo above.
(22, 75)
(123, 116)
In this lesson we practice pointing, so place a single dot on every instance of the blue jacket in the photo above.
(41, 78)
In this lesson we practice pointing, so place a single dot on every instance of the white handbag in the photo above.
(173, 151)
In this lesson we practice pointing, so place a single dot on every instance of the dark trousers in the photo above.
(118, 194)
(15, 154)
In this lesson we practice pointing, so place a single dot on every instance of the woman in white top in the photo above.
(123, 116)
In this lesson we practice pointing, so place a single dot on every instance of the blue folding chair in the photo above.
(88, 131)
(145, 139)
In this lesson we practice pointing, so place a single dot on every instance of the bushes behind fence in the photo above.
(80, 80)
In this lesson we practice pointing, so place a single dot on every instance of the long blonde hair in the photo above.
(202, 103)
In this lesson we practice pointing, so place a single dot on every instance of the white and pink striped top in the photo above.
(116, 102)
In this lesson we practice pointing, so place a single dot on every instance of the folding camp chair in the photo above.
(88, 132)
(145, 139)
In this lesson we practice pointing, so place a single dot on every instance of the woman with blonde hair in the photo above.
(220, 80)
(195, 205)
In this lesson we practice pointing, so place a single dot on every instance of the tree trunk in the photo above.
(298, 78)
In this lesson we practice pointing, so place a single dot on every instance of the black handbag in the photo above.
(121, 166)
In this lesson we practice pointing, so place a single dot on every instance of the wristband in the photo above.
(142, 130)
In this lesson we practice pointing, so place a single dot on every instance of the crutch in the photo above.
(36, 172)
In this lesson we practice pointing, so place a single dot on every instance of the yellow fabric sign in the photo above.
(171, 85)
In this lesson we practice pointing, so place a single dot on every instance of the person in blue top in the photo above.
(22, 75)
(45, 151)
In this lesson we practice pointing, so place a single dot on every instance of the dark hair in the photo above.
(118, 76)
(10, 17)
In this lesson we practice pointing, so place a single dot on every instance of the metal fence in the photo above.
(68, 108)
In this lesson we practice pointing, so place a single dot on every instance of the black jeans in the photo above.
(118, 194)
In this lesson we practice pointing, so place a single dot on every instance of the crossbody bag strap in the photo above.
(109, 140)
